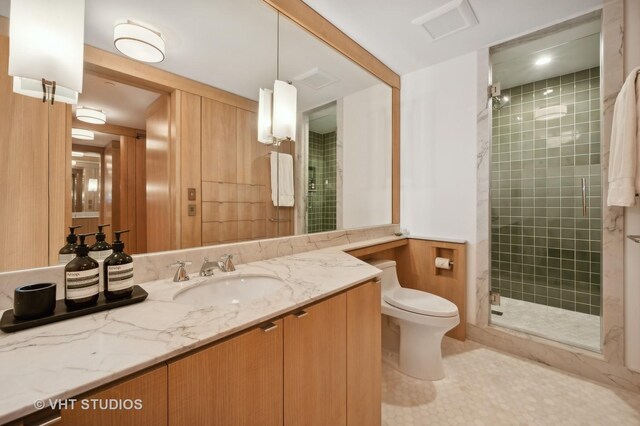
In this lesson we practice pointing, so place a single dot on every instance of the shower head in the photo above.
(498, 102)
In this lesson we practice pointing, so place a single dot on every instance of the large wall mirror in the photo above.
(177, 161)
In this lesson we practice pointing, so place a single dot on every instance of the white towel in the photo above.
(286, 180)
(624, 179)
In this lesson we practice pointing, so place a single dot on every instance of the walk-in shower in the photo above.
(546, 177)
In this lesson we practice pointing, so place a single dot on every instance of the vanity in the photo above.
(308, 349)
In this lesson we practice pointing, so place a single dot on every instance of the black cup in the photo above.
(34, 301)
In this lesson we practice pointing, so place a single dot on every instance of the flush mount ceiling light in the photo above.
(138, 42)
(543, 60)
(90, 115)
(550, 112)
(448, 19)
(85, 135)
(46, 49)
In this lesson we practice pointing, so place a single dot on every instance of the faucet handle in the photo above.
(181, 273)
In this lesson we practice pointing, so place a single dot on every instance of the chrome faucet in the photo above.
(226, 263)
(206, 270)
(181, 274)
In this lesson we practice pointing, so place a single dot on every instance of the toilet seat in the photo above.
(420, 302)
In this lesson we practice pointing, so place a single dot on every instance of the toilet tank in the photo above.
(389, 275)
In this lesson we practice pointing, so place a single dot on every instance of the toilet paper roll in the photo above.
(443, 263)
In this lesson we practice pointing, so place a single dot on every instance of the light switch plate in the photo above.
(191, 194)
(192, 210)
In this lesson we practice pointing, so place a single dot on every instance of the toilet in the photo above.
(423, 318)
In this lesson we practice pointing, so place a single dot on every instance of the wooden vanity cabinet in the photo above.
(235, 382)
(319, 365)
(150, 388)
(315, 389)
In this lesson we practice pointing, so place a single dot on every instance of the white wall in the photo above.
(438, 155)
(366, 154)
(632, 214)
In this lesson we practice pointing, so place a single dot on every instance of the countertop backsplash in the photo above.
(155, 266)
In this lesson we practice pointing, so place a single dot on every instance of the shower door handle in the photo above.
(584, 197)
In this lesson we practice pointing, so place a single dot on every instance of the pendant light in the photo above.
(46, 49)
(277, 108)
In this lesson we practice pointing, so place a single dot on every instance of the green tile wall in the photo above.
(321, 203)
(543, 249)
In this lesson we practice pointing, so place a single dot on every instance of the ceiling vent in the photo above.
(448, 19)
(316, 78)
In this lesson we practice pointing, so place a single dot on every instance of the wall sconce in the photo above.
(46, 49)
(91, 115)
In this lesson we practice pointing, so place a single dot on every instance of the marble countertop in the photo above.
(65, 359)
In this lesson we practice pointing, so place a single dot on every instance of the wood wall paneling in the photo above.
(141, 197)
(190, 121)
(395, 155)
(158, 167)
(416, 269)
(59, 178)
(24, 176)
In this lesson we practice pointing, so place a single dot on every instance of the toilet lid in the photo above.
(420, 302)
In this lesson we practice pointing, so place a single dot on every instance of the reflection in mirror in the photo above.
(118, 151)
(178, 161)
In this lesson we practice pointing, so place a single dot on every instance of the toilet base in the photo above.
(421, 352)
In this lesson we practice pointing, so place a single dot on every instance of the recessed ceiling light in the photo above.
(505, 99)
(138, 42)
(543, 60)
(91, 115)
(86, 135)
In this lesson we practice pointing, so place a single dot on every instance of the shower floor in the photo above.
(573, 328)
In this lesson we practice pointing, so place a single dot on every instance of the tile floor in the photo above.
(487, 387)
(561, 325)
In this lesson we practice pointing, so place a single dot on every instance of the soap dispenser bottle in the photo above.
(118, 271)
(81, 278)
(68, 252)
(101, 249)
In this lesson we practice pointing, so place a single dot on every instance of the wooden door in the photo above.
(143, 400)
(363, 355)
(315, 364)
(236, 382)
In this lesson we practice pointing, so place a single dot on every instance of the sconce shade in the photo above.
(90, 115)
(138, 42)
(85, 135)
(284, 110)
(46, 40)
(265, 131)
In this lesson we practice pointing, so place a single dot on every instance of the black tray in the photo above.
(9, 323)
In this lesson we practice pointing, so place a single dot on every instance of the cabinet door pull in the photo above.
(301, 314)
(268, 327)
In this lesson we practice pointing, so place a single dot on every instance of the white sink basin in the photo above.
(229, 290)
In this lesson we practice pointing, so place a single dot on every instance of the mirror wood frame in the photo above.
(125, 70)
